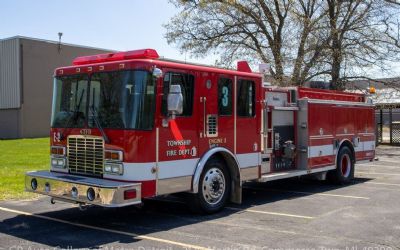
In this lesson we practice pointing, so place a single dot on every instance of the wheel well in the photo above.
(233, 168)
(230, 163)
(348, 144)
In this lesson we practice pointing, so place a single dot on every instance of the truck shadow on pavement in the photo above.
(156, 216)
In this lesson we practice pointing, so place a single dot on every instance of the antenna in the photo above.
(59, 41)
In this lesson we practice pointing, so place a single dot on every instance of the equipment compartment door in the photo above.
(284, 151)
(321, 120)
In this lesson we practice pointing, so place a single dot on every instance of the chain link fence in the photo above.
(387, 118)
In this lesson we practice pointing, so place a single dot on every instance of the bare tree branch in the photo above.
(302, 40)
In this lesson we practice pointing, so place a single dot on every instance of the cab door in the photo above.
(248, 140)
(246, 122)
(177, 138)
(216, 114)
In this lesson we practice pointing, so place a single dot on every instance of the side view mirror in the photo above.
(157, 73)
(175, 101)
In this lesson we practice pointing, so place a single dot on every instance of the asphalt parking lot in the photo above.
(287, 214)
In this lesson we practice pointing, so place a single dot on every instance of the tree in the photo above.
(255, 30)
(301, 39)
(358, 39)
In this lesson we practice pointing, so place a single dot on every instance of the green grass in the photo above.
(18, 157)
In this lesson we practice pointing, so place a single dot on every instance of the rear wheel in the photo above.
(214, 188)
(344, 171)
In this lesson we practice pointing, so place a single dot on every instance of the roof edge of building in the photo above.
(54, 42)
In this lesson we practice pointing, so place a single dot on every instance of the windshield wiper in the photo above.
(92, 108)
(73, 116)
(94, 113)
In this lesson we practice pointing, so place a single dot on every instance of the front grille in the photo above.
(85, 155)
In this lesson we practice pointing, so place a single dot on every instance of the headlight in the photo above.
(107, 168)
(58, 162)
(114, 168)
(54, 162)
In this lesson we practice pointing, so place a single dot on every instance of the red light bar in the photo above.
(133, 54)
(136, 54)
(92, 59)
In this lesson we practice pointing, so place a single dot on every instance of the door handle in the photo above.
(204, 116)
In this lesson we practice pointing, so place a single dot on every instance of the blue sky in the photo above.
(119, 25)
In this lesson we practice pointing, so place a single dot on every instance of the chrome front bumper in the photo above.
(73, 188)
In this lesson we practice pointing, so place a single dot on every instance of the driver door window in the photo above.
(186, 82)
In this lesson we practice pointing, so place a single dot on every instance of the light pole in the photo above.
(59, 41)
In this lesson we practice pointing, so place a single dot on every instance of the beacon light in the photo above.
(118, 56)
(113, 155)
(372, 90)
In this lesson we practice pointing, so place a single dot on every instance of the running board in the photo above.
(293, 173)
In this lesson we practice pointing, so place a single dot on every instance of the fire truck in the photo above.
(127, 126)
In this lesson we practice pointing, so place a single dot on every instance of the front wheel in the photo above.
(214, 188)
(344, 171)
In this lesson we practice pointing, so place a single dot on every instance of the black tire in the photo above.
(207, 200)
(344, 171)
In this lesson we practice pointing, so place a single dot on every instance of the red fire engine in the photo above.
(130, 125)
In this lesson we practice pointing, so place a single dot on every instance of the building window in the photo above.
(186, 82)
(225, 96)
(246, 98)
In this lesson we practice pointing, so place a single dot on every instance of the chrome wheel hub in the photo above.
(213, 186)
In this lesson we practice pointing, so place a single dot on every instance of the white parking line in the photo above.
(382, 183)
(270, 213)
(376, 187)
(143, 237)
(386, 160)
(251, 210)
(361, 172)
(369, 165)
(311, 193)
(224, 223)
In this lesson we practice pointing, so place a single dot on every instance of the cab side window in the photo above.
(245, 98)
(225, 96)
(186, 82)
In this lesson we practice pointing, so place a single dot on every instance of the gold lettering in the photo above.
(216, 140)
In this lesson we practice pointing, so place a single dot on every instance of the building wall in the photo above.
(10, 91)
(37, 61)
(9, 74)
(9, 123)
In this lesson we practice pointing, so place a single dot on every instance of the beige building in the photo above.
(26, 83)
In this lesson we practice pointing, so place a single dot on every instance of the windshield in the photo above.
(69, 101)
(120, 100)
